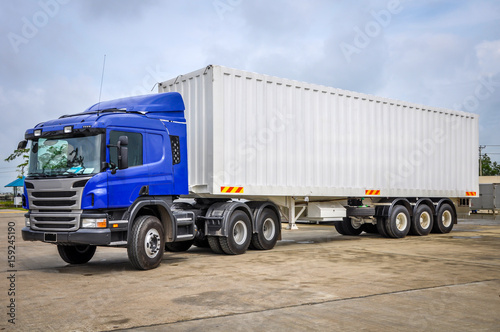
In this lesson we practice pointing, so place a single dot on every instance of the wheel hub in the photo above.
(152, 243)
(240, 232)
(401, 221)
(446, 219)
(425, 220)
(268, 229)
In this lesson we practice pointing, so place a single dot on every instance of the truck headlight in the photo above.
(94, 223)
(27, 222)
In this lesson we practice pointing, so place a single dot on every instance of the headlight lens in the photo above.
(27, 222)
(94, 223)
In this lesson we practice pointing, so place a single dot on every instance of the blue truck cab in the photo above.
(110, 176)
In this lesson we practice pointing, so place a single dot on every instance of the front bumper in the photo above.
(99, 237)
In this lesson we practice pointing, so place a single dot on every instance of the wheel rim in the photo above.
(446, 218)
(401, 221)
(425, 220)
(355, 225)
(152, 243)
(268, 229)
(240, 232)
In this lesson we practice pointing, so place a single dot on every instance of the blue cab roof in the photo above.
(168, 105)
(131, 111)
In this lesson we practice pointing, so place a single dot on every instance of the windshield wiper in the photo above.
(38, 174)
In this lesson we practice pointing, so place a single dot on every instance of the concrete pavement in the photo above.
(315, 279)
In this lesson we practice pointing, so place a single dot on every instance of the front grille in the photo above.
(53, 194)
(55, 226)
(55, 204)
(55, 221)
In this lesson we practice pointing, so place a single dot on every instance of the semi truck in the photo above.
(220, 157)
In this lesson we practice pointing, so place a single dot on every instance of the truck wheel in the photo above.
(178, 246)
(339, 228)
(381, 226)
(444, 220)
(76, 254)
(214, 243)
(145, 250)
(422, 221)
(267, 232)
(350, 228)
(398, 223)
(201, 243)
(239, 235)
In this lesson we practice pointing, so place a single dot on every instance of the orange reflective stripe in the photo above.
(372, 192)
(232, 190)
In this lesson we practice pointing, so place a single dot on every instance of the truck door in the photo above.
(159, 160)
(124, 186)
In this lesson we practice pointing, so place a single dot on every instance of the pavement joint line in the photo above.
(361, 297)
(439, 259)
(408, 255)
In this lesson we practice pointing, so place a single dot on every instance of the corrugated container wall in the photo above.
(279, 137)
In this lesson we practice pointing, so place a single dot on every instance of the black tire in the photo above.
(239, 234)
(340, 228)
(76, 254)
(398, 224)
(370, 228)
(349, 228)
(178, 246)
(201, 242)
(145, 250)
(268, 231)
(444, 220)
(381, 226)
(422, 221)
(214, 243)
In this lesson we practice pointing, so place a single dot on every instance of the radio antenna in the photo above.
(102, 77)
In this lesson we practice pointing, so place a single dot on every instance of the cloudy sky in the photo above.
(442, 53)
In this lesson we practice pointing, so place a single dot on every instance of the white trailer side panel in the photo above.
(279, 137)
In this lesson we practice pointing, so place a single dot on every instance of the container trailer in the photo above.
(248, 151)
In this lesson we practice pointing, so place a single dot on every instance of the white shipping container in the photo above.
(269, 136)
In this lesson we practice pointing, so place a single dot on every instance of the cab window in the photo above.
(135, 154)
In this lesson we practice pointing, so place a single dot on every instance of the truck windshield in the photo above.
(65, 156)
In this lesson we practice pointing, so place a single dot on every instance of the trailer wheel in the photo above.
(178, 246)
(350, 228)
(145, 250)
(422, 221)
(398, 223)
(267, 232)
(76, 254)
(239, 235)
(444, 220)
(381, 226)
(214, 243)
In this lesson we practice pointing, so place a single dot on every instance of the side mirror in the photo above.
(122, 152)
(22, 145)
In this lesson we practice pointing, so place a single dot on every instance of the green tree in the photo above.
(24, 155)
(488, 167)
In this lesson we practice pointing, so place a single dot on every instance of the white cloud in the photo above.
(488, 54)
